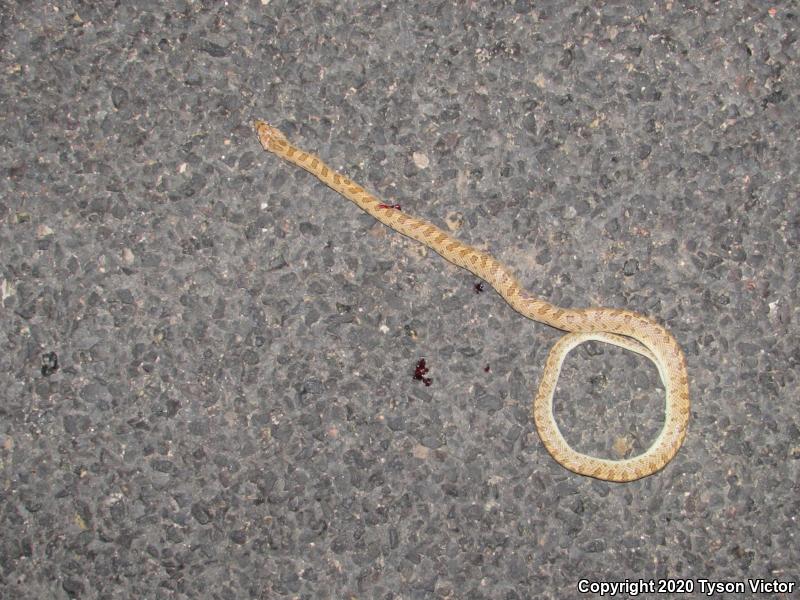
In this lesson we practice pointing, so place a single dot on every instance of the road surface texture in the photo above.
(207, 375)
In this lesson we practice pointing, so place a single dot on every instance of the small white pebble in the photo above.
(42, 231)
(6, 289)
(421, 160)
(421, 452)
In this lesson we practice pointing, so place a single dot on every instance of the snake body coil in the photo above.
(622, 328)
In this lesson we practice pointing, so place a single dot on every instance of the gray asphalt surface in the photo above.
(206, 374)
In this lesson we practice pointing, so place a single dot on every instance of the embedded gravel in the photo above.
(207, 371)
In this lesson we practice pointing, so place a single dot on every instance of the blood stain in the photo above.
(420, 372)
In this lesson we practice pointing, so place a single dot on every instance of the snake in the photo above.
(623, 328)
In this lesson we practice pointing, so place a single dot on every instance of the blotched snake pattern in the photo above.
(622, 328)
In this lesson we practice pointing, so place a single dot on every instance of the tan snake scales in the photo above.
(622, 328)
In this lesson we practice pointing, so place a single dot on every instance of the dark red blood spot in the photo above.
(478, 287)
(421, 371)
(486, 369)
(394, 206)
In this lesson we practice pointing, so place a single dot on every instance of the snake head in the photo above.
(267, 134)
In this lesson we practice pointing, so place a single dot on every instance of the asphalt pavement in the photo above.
(210, 377)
